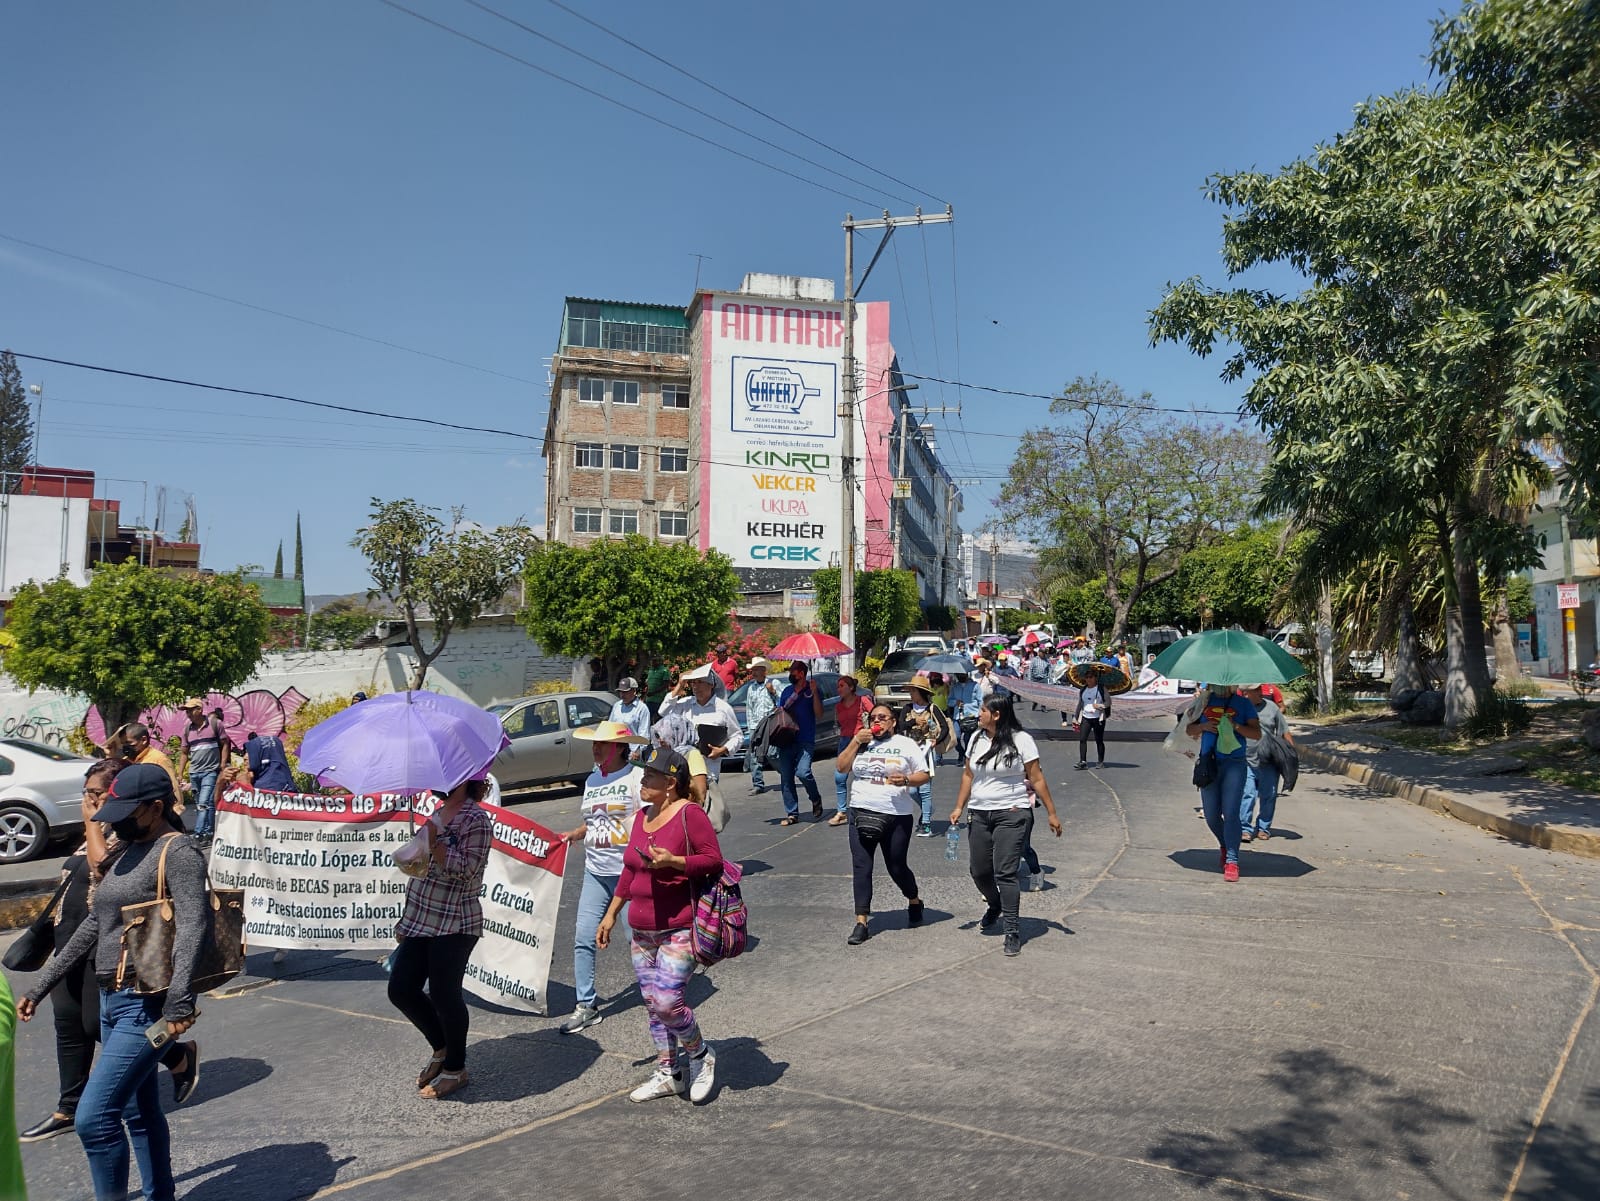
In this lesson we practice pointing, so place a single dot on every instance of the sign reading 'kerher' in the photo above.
(318, 874)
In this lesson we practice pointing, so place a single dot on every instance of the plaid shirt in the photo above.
(445, 901)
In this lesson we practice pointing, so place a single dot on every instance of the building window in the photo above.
(589, 454)
(674, 458)
(624, 456)
(674, 396)
(624, 392)
(586, 521)
(583, 324)
(672, 525)
(624, 521)
(591, 391)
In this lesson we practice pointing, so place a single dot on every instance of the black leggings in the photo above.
(997, 838)
(1085, 725)
(440, 1014)
(869, 831)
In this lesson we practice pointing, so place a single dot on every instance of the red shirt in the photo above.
(665, 900)
(851, 716)
(728, 669)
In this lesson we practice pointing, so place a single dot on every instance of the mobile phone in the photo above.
(160, 1033)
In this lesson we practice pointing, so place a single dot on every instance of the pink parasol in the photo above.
(809, 646)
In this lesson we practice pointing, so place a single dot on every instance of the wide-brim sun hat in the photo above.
(610, 731)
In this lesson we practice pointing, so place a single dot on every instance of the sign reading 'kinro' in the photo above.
(770, 379)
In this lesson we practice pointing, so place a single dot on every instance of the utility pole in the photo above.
(847, 410)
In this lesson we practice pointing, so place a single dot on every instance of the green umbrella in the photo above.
(1227, 657)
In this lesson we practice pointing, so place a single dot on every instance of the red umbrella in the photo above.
(809, 646)
(1031, 638)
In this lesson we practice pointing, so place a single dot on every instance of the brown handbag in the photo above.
(150, 928)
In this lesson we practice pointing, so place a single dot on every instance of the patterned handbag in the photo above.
(721, 922)
(150, 928)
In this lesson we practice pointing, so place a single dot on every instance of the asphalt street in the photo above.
(1389, 1005)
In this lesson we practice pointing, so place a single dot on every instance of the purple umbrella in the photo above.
(404, 742)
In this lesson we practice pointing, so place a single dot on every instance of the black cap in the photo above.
(666, 761)
(135, 785)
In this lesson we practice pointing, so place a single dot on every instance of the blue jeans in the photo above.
(794, 761)
(757, 780)
(592, 901)
(123, 1089)
(841, 789)
(205, 802)
(1261, 796)
(924, 795)
(1220, 799)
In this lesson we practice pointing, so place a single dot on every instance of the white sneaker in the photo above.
(702, 1075)
(663, 1082)
(582, 1018)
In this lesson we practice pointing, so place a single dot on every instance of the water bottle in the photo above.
(952, 843)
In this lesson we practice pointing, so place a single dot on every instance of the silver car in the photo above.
(41, 797)
(543, 750)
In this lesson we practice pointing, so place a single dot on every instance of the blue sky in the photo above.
(351, 166)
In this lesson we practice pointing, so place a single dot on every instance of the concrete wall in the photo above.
(490, 661)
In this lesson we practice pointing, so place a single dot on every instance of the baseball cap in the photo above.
(627, 684)
(135, 785)
(193, 702)
(664, 760)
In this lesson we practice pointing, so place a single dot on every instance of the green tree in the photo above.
(888, 604)
(1451, 309)
(277, 564)
(1126, 489)
(135, 637)
(299, 551)
(447, 575)
(16, 423)
(627, 598)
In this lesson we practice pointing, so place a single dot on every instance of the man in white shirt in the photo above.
(694, 696)
(630, 710)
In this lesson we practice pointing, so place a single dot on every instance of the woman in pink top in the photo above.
(671, 854)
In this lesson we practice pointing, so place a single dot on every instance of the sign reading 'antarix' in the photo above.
(770, 380)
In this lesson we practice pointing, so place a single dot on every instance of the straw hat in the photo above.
(920, 680)
(609, 731)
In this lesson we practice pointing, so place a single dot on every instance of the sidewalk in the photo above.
(1483, 789)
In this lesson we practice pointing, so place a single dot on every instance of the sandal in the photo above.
(431, 1071)
(444, 1084)
(838, 819)
(790, 821)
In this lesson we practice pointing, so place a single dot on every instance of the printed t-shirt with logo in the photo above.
(609, 803)
(874, 764)
(1226, 742)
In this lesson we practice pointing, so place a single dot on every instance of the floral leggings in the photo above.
(664, 961)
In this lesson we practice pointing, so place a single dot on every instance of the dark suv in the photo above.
(896, 673)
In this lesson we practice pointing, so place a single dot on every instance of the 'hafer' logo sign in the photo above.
(784, 396)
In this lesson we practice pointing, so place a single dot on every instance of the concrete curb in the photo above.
(1537, 834)
(23, 900)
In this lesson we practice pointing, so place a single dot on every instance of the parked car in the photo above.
(895, 674)
(827, 725)
(1301, 642)
(929, 642)
(41, 797)
(543, 750)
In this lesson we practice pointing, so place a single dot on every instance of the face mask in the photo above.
(128, 829)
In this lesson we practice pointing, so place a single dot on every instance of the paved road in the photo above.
(1382, 1008)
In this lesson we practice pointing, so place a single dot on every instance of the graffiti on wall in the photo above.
(255, 712)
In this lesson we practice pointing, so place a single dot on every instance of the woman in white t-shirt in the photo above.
(610, 799)
(1094, 707)
(1002, 761)
(885, 771)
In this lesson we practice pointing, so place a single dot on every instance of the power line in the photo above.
(741, 103)
(598, 95)
(315, 404)
(260, 308)
(710, 116)
(1099, 404)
